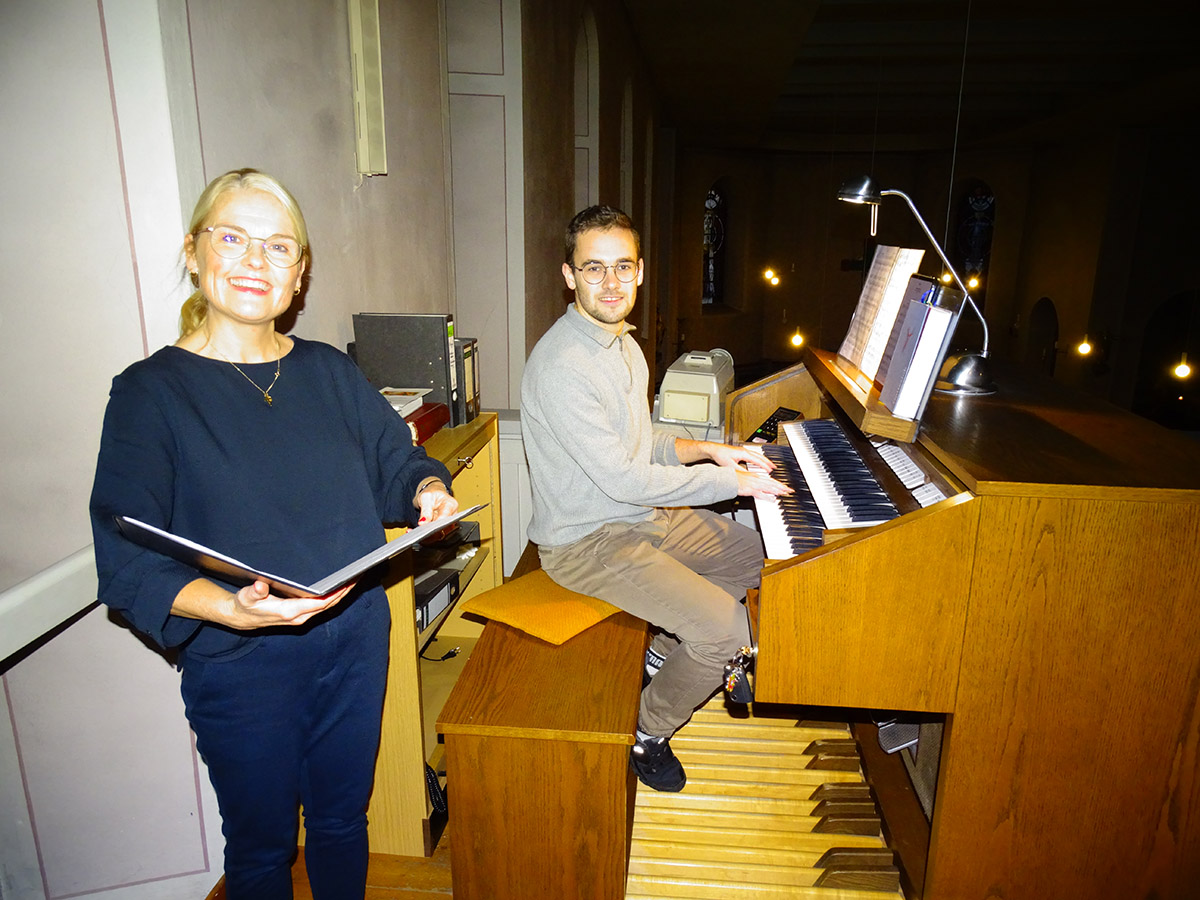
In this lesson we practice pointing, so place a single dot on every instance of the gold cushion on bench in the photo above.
(538, 606)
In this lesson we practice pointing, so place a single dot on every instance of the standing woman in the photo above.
(277, 451)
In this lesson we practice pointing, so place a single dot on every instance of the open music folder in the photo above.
(878, 306)
(228, 568)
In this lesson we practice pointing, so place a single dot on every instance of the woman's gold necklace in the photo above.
(267, 393)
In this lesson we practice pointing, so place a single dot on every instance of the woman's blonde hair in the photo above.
(195, 308)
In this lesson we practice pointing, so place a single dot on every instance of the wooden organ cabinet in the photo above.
(1048, 610)
(1043, 615)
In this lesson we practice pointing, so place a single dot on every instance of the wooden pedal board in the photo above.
(774, 808)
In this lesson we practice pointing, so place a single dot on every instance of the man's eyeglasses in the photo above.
(232, 242)
(593, 273)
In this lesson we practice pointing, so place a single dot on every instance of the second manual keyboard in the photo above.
(845, 490)
(833, 489)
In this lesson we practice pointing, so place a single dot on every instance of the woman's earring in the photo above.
(296, 292)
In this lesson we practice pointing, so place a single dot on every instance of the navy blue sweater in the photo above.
(299, 488)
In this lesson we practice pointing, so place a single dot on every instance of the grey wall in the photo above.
(100, 788)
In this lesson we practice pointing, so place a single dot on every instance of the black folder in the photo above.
(409, 350)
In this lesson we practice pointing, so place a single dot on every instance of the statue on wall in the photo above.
(973, 239)
(714, 242)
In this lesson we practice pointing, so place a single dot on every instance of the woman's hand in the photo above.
(435, 503)
(254, 606)
(257, 607)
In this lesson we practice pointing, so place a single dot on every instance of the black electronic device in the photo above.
(769, 430)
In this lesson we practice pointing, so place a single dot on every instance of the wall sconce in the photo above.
(967, 373)
(972, 281)
(797, 339)
(1095, 351)
(770, 277)
(1183, 370)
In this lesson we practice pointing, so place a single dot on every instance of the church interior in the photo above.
(1050, 148)
(1054, 119)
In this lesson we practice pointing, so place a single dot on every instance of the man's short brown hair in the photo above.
(598, 218)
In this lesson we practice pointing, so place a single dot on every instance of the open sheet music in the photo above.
(230, 569)
(878, 305)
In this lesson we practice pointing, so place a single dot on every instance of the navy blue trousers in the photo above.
(295, 721)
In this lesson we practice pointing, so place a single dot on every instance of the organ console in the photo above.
(1024, 580)
(1037, 594)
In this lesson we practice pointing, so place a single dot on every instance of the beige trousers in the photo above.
(685, 571)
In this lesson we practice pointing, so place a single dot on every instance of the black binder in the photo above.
(466, 358)
(409, 350)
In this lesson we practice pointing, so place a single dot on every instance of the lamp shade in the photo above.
(860, 190)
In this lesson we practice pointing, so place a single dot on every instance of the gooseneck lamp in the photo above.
(963, 373)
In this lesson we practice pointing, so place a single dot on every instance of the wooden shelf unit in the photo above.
(400, 811)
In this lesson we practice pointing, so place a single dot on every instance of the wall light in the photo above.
(797, 339)
(769, 274)
(1183, 370)
(1084, 347)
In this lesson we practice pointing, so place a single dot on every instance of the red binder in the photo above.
(426, 421)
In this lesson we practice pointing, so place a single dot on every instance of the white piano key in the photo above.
(778, 541)
(928, 494)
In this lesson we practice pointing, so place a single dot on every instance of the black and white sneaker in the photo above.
(656, 765)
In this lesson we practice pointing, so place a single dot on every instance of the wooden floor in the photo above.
(396, 877)
(388, 877)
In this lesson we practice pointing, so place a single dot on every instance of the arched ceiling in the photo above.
(887, 74)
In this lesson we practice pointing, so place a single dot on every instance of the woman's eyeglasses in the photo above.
(232, 242)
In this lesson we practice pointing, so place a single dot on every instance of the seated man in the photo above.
(611, 494)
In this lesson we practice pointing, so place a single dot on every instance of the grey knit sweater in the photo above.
(594, 456)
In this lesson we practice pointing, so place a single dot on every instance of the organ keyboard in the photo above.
(792, 524)
(845, 491)
(834, 486)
